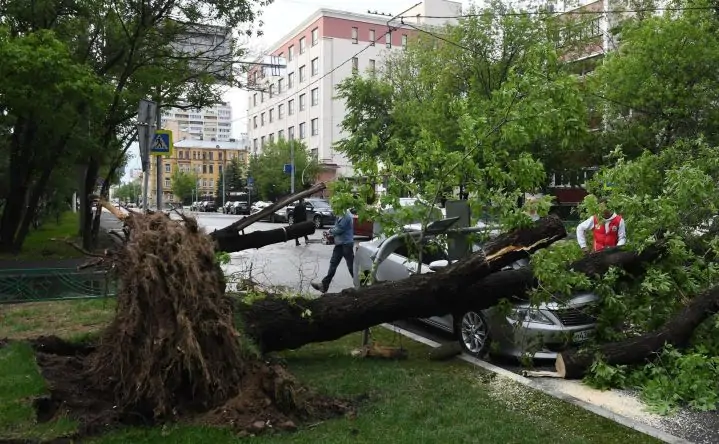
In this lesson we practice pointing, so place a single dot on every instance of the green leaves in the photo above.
(271, 181)
(183, 183)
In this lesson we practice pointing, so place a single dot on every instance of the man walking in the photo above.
(343, 233)
(609, 230)
(299, 214)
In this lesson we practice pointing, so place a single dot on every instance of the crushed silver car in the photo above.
(539, 331)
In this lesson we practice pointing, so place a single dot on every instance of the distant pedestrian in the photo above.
(299, 214)
(343, 233)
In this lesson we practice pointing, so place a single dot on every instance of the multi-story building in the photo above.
(212, 123)
(298, 101)
(205, 158)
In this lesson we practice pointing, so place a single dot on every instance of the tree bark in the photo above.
(249, 220)
(574, 364)
(278, 323)
(233, 241)
(89, 186)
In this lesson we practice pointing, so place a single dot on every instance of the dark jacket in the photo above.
(299, 212)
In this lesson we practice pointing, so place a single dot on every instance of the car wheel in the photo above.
(291, 220)
(473, 333)
(318, 222)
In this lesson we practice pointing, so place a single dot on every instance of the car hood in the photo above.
(576, 300)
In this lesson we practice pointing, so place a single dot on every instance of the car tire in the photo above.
(472, 332)
(318, 222)
(291, 220)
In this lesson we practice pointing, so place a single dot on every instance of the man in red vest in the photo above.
(609, 230)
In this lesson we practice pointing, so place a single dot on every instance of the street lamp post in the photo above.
(292, 166)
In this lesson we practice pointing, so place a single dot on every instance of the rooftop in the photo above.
(209, 144)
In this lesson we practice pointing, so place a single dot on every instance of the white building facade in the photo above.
(298, 102)
(213, 124)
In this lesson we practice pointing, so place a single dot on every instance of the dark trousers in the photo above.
(307, 241)
(345, 251)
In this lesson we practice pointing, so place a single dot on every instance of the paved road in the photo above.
(281, 264)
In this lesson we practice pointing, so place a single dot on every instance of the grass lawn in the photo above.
(39, 246)
(411, 401)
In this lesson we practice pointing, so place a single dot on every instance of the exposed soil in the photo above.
(257, 406)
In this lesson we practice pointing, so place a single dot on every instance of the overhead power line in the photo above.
(558, 13)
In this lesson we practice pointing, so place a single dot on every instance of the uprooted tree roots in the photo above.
(172, 352)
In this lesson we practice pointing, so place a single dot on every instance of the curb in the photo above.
(601, 411)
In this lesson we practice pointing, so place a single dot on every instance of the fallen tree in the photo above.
(278, 323)
(574, 363)
(231, 241)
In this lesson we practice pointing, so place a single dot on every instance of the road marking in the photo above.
(620, 419)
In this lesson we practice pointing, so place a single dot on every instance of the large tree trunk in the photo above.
(233, 241)
(89, 186)
(277, 323)
(574, 364)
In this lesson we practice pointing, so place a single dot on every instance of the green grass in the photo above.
(67, 319)
(39, 244)
(411, 401)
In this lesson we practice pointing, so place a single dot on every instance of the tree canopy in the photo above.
(267, 168)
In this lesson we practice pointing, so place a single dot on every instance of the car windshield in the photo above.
(320, 203)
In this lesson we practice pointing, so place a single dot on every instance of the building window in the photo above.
(303, 72)
(388, 39)
(254, 144)
(355, 35)
(404, 41)
(262, 119)
(204, 169)
(254, 123)
(372, 65)
(372, 37)
(168, 168)
(291, 107)
(219, 155)
(314, 126)
(303, 45)
(272, 115)
(280, 82)
(355, 65)
(290, 80)
(280, 134)
(211, 169)
(204, 183)
(204, 155)
(303, 130)
(280, 111)
(314, 152)
(262, 97)
(179, 155)
(302, 102)
(211, 154)
(315, 96)
(315, 36)
(167, 183)
(291, 133)
(194, 153)
(212, 183)
(272, 90)
(262, 142)
(254, 99)
(291, 53)
(315, 66)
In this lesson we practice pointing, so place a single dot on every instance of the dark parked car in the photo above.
(318, 211)
(208, 207)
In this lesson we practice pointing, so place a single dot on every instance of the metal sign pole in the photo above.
(292, 167)
(159, 164)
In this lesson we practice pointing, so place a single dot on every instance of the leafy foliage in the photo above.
(271, 181)
(183, 184)
(129, 192)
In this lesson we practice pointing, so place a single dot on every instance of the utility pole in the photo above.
(159, 159)
(224, 173)
(292, 167)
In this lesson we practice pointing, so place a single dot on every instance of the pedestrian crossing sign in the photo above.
(162, 143)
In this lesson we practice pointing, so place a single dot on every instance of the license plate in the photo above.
(581, 336)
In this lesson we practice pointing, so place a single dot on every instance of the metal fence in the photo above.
(52, 284)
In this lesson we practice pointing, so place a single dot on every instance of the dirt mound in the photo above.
(172, 352)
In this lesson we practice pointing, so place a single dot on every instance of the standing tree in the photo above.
(271, 181)
(183, 184)
(129, 192)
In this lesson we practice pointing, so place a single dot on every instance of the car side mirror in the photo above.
(438, 265)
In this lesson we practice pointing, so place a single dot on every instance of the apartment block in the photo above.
(211, 123)
(205, 158)
(298, 102)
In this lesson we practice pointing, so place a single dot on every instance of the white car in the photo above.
(546, 329)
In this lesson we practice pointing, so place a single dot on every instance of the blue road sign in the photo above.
(162, 143)
(287, 169)
(250, 181)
